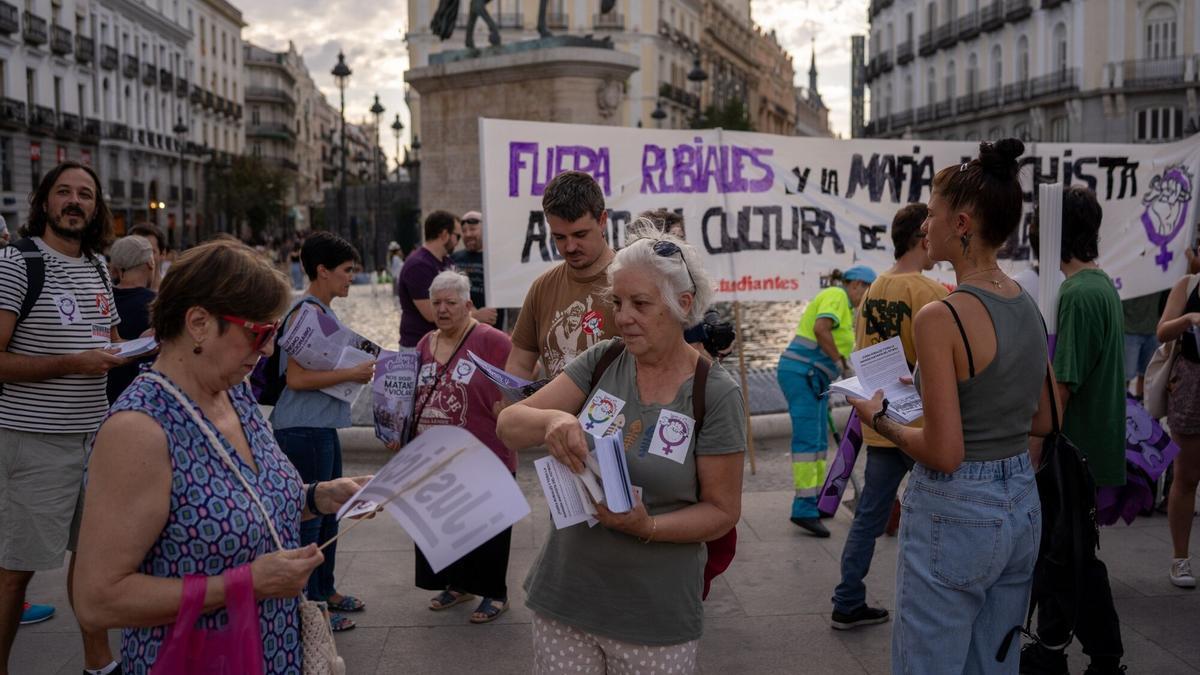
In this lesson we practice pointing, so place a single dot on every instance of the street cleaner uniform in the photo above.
(804, 375)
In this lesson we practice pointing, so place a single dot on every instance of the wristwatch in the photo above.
(310, 499)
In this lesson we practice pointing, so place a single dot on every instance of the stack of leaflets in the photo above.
(514, 388)
(605, 480)
(881, 366)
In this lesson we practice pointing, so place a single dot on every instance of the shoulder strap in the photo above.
(963, 332)
(699, 391)
(35, 274)
(606, 359)
(1192, 285)
(101, 273)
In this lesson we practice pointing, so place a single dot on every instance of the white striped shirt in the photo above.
(75, 312)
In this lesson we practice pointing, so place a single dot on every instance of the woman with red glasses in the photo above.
(180, 467)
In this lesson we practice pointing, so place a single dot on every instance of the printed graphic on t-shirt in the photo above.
(572, 331)
(428, 372)
(884, 317)
(446, 406)
(463, 370)
(599, 414)
(672, 436)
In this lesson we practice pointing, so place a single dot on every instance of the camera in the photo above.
(719, 335)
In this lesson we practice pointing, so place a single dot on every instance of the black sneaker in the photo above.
(863, 616)
(1094, 669)
(813, 526)
(1039, 660)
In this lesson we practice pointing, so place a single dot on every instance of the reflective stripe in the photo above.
(809, 493)
(798, 457)
(804, 342)
(808, 475)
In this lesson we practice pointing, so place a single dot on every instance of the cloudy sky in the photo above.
(372, 35)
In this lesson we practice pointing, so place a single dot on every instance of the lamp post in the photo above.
(397, 127)
(698, 76)
(377, 111)
(416, 168)
(181, 130)
(341, 75)
(659, 114)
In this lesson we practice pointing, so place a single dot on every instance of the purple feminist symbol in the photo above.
(1166, 203)
(678, 431)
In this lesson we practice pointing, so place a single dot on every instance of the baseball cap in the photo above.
(393, 246)
(472, 215)
(130, 252)
(859, 273)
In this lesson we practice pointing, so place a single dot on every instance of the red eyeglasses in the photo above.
(263, 332)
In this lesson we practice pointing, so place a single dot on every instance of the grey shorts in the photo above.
(41, 492)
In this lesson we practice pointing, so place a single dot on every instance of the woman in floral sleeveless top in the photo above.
(161, 502)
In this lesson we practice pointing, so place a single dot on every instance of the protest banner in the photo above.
(448, 491)
(773, 215)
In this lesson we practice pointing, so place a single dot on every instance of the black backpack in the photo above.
(266, 382)
(1070, 535)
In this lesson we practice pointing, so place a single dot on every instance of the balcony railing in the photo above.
(1015, 10)
(108, 57)
(610, 21)
(181, 87)
(197, 95)
(1060, 81)
(1051, 4)
(944, 109)
(678, 95)
(925, 114)
(12, 112)
(904, 52)
(1016, 91)
(116, 188)
(149, 74)
(273, 94)
(9, 18)
(209, 99)
(69, 125)
(129, 66)
(1150, 72)
(165, 81)
(275, 130)
(944, 35)
(42, 119)
(926, 47)
(991, 16)
(510, 20)
(91, 129)
(966, 104)
(117, 132)
(60, 41)
(237, 111)
(556, 20)
(988, 98)
(85, 49)
(902, 119)
(968, 25)
(34, 28)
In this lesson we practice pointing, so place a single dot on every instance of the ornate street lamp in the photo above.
(659, 114)
(181, 130)
(698, 76)
(397, 127)
(377, 111)
(341, 75)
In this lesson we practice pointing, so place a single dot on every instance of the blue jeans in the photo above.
(968, 544)
(885, 469)
(1138, 351)
(317, 455)
(297, 276)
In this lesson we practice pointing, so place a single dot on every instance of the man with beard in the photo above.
(565, 311)
(54, 360)
(469, 260)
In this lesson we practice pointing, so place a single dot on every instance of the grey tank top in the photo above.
(997, 404)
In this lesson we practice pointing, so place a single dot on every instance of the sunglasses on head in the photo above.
(263, 332)
(665, 249)
(470, 221)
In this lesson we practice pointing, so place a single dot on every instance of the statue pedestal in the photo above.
(580, 85)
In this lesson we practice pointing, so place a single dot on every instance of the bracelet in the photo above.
(310, 500)
(882, 412)
(653, 531)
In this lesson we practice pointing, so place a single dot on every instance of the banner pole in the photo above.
(737, 320)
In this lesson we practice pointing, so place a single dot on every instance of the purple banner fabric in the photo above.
(1148, 453)
(843, 465)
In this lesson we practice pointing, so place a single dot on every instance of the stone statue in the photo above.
(446, 17)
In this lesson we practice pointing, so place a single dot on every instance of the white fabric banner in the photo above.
(773, 215)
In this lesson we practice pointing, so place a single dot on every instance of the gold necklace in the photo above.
(993, 282)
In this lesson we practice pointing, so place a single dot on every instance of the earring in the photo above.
(966, 242)
(197, 348)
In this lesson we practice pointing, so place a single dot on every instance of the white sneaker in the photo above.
(1181, 573)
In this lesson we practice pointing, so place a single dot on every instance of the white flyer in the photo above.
(132, 349)
(448, 491)
(881, 366)
(348, 391)
(565, 495)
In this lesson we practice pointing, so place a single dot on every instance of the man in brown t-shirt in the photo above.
(566, 311)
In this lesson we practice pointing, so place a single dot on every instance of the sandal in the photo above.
(447, 599)
(340, 622)
(489, 609)
(348, 603)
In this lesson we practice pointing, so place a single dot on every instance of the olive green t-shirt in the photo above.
(609, 583)
(1089, 357)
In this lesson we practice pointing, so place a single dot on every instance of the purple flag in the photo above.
(841, 468)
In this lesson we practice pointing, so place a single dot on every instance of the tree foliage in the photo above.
(250, 191)
(733, 115)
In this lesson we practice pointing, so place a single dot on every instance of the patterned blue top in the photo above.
(213, 524)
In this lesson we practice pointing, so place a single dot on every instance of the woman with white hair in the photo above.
(626, 596)
(452, 391)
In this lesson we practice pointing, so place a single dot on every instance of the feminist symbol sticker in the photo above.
(672, 436)
(68, 309)
(463, 372)
(600, 412)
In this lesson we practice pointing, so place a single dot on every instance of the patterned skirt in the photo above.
(1183, 397)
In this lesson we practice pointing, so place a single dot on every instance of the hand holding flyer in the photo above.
(879, 367)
